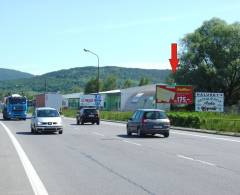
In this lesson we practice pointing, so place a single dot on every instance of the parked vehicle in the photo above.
(53, 100)
(148, 121)
(15, 107)
(46, 119)
(90, 115)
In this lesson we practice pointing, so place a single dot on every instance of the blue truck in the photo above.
(15, 107)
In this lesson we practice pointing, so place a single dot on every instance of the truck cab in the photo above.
(15, 107)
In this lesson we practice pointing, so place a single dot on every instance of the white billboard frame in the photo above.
(209, 102)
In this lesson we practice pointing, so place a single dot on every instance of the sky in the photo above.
(49, 35)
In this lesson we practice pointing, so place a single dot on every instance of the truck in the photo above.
(53, 100)
(15, 107)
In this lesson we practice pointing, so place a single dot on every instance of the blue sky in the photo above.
(48, 35)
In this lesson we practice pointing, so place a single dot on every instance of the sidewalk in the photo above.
(191, 129)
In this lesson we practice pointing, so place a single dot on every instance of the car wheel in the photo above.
(98, 122)
(32, 130)
(60, 132)
(81, 122)
(129, 132)
(166, 134)
(139, 133)
(78, 122)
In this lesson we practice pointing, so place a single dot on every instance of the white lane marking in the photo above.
(36, 183)
(96, 133)
(205, 136)
(195, 160)
(131, 142)
(185, 157)
(205, 162)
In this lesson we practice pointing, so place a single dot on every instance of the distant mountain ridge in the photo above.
(74, 79)
(9, 74)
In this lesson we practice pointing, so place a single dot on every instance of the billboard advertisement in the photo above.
(91, 101)
(209, 102)
(174, 94)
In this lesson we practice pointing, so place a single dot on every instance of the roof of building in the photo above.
(72, 95)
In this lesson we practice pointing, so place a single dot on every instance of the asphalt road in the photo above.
(93, 159)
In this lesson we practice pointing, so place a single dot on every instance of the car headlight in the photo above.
(39, 123)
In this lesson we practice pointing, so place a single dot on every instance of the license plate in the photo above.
(157, 127)
(91, 115)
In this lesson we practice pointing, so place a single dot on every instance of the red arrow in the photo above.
(174, 60)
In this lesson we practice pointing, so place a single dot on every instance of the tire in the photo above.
(81, 122)
(166, 134)
(92, 123)
(129, 133)
(60, 132)
(139, 133)
(78, 122)
(32, 130)
(98, 122)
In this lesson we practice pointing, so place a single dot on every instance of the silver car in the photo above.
(148, 121)
(46, 119)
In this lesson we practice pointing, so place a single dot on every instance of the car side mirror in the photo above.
(130, 119)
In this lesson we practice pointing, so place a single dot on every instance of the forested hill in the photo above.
(8, 74)
(75, 79)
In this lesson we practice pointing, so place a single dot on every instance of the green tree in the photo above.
(210, 59)
(143, 81)
(110, 83)
(127, 83)
(92, 86)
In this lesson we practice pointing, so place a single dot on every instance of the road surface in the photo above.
(91, 159)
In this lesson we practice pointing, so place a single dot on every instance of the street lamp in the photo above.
(86, 50)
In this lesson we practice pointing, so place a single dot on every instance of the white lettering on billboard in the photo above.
(90, 100)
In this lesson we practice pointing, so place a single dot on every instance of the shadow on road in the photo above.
(29, 133)
(142, 137)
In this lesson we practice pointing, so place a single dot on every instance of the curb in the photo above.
(191, 129)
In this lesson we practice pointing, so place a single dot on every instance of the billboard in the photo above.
(174, 94)
(91, 101)
(209, 102)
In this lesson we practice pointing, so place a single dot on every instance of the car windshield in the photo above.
(47, 113)
(90, 111)
(17, 100)
(155, 115)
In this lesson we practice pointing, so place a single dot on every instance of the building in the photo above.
(71, 100)
(123, 100)
(133, 98)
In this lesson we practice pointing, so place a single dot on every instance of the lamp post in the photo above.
(86, 50)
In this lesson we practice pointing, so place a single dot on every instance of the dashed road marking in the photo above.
(96, 133)
(35, 181)
(131, 142)
(195, 160)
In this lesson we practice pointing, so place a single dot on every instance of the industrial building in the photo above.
(128, 99)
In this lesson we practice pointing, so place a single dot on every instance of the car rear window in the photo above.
(90, 111)
(155, 115)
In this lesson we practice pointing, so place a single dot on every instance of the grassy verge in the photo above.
(199, 120)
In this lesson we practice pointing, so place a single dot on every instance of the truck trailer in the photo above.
(53, 100)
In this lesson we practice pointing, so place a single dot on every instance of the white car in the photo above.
(46, 119)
